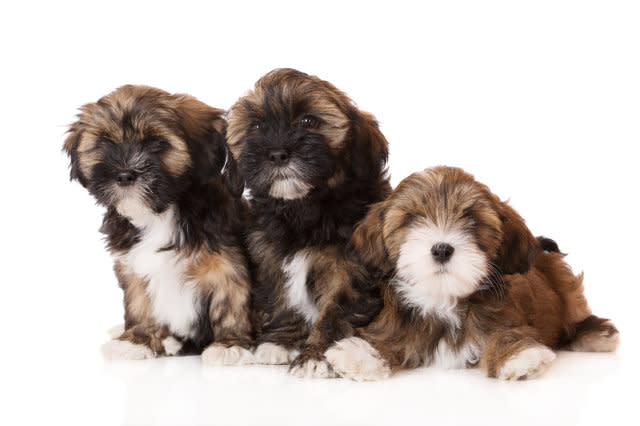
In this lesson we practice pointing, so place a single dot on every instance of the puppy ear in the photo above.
(208, 155)
(367, 239)
(231, 176)
(204, 129)
(370, 152)
(519, 247)
(71, 148)
(218, 161)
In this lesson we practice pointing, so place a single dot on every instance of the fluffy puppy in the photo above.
(465, 283)
(159, 164)
(313, 162)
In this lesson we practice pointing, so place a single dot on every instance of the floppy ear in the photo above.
(367, 240)
(231, 176)
(208, 156)
(519, 247)
(71, 148)
(204, 130)
(369, 152)
(218, 161)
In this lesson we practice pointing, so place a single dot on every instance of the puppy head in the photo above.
(443, 230)
(140, 146)
(295, 133)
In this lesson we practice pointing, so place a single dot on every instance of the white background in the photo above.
(540, 100)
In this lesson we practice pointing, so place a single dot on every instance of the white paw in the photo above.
(356, 359)
(116, 331)
(217, 354)
(270, 353)
(527, 364)
(122, 349)
(608, 342)
(318, 369)
(171, 345)
(603, 341)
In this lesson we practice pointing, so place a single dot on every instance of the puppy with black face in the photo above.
(160, 165)
(313, 162)
(465, 283)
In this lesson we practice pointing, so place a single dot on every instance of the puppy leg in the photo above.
(384, 345)
(229, 316)
(516, 355)
(141, 341)
(345, 303)
(141, 337)
(595, 334)
(232, 333)
(281, 334)
(329, 327)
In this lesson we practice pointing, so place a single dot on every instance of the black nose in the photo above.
(442, 252)
(126, 178)
(278, 157)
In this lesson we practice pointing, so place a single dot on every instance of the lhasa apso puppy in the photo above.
(159, 164)
(313, 162)
(465, 283)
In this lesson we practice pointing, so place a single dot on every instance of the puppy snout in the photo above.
(278, 157)
(126, 178)
(442, 252)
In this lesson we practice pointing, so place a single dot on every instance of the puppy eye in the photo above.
(104, 141)
(156, 145)
(256, 126)
(470, 216)
(309, 122)
(104, 144)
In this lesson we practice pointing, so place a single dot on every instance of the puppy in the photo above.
(312, 162)
(159, 164)
(465, 283)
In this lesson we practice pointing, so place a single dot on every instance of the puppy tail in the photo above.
(548, 245)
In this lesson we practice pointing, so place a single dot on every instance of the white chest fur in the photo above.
(445, 308)
(428, 302)
(173, 298)
(295, 269)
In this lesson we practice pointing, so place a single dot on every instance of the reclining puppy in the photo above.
(159, 164)
(313, 162)
(465, 283)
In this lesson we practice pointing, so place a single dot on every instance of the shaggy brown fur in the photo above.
(526, 298)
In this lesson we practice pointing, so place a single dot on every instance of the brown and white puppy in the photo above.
(466, 284)
(159, 164)
(313, 162)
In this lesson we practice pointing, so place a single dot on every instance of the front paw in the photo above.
(171, 346)
(217, 354)
(306, 366)
(123, 349)
(355, 359)
(272, 354)
(527, 364)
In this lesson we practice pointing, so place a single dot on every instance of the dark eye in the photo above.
(470, 217)
(156, 145)
(308, 122)
(256, 125)
(104, 142)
